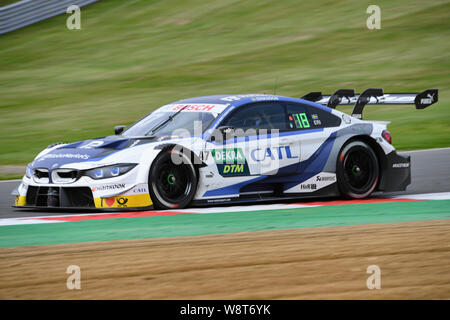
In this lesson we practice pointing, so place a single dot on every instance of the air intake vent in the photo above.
(41, 175)
(64, 175)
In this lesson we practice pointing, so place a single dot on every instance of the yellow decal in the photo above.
(130, 201)
(20, 200)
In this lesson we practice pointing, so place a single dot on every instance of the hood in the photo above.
(87, 150)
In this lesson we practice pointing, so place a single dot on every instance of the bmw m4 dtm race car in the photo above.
(226, 149)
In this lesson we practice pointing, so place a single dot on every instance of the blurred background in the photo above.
(133, 56)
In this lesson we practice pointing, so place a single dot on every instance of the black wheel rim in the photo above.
(359, 170)
(173, 182)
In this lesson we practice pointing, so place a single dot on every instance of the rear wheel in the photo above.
(357, 170)
(172, 185)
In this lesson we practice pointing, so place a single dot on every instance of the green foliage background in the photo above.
(133, 56)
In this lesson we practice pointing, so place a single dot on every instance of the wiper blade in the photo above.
(167, 120)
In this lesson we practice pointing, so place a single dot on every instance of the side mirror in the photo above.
(118, 129)
(225, 129)
(220, 133)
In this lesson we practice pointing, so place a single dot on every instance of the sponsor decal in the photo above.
(272, 153)
(308, 186)
(233, 168)
(326, 178)
(109, 187)
(401, 165)
(129, 201)
(234, 155)
(140, 190)
(194, 107)
(64, 156)
(122, 202)
(255, 97)
(314, 183)
(428, 100)
(109, 201)
(230, 162)
(218, 200)
(137, 190)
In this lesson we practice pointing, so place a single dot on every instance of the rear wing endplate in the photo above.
(421, 100)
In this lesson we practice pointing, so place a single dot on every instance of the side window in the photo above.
(261, 115)
(304, 117)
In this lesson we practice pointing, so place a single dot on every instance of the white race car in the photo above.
(226, 149)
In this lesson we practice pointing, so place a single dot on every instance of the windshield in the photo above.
(158, 124)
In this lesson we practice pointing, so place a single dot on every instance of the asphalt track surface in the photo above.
(430, 173)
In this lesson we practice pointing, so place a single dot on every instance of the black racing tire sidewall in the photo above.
(158, 201)
(347, 190)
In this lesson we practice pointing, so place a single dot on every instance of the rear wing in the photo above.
(422, 100)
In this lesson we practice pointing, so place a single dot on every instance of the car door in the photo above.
(255, 136)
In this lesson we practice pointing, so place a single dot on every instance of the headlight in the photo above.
(109, 171)
(28, 172)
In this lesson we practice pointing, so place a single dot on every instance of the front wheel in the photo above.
(172, 184)
(357, 170)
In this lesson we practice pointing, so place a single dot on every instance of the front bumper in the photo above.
(111, 194)
(44, 196)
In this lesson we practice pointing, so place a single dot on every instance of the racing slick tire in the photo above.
(172, 184)
(357, 170)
